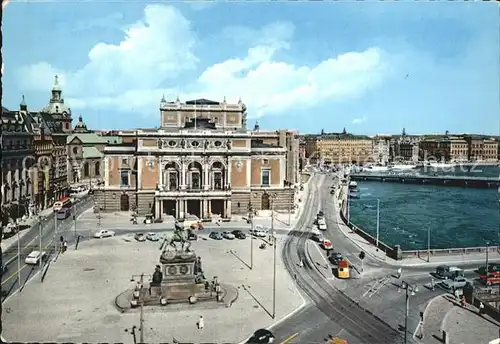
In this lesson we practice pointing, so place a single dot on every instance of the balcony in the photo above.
(162, 190)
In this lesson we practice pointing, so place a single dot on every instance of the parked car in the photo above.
(261, 336)
(447, 272)
(34, 257)
(259, 233)
(152, 237)
(239, 234)
(140, 237)
(215, 236)
(228, 235)
(318, 237)
(104, 233)
(335, 257)
(322, 226)
(455, 283)
(491, 279)
(326, 245)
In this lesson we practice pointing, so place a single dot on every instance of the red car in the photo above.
(493, 278)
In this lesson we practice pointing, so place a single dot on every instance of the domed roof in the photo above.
(56, 104)
(80, 126)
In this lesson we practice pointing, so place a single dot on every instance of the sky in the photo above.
(369, 67)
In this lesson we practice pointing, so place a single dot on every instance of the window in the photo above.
(172, 143)
(217, 143)
(124, 178)
(86, 170)
(75, 150)
(265, 161)
(195, 180)
(217, 180)
(266, 177)
(172, 180)
(195, 143)
(97, 168)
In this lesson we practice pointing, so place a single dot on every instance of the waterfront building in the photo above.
(17, 150)
(381, 148)
(446, 149)
(85, 150)
(201, 161)
(339, 148)
(481, 148)
(405, 147)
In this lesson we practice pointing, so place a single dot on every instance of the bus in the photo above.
(62, 203)
(63, 214)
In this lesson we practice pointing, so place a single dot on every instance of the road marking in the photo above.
(290, 338)
(22, 267)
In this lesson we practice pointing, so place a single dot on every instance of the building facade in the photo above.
(339, 148)
(201, 161)
(16, 162)
(481, 148)
(447, 149)
(381, 149)
(85, 150)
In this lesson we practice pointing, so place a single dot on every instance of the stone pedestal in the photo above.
(179, 276)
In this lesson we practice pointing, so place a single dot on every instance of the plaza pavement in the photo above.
(75, 303)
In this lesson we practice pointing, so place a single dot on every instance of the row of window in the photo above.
(86, 169)
(194, 179)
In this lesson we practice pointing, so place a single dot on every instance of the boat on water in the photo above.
(402, 167)
(375, 169)
(353, 185)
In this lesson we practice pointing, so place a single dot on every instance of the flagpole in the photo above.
(195, 114)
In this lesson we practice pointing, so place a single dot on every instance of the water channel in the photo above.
(454, 216)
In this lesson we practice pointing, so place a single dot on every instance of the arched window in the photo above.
(97, 168)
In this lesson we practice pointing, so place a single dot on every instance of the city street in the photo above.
(31, 241)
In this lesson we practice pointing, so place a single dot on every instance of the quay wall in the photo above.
(483, 183)
(395, 252)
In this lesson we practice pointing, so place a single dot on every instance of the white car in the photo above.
(258, 233)
(322, 226)
(34, 257)
(103, 233)
(152, 237)
(228, 235)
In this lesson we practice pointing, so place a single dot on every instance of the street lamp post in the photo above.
(429, 244)
(274, 241)
(40, 242)
(250, 216)
(410, 291)
(487, 256)
(18, 257)
(378, 220)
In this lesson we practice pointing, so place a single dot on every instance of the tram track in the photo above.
(333, 303)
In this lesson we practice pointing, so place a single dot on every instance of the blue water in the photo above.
(457, 217)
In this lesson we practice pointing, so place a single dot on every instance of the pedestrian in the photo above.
(462, 301)
(400, 271)
(481, 308)
(433, 285)
(301, 264)
(201, 323)
(65, 246)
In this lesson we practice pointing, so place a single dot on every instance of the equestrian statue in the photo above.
(171, 239)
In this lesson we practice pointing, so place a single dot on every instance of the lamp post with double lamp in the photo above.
(410, 290)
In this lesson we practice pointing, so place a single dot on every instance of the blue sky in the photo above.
(369, 67)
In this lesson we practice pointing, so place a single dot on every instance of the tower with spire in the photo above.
(57, 109)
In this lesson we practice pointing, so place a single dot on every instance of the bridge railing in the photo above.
(444, 177)
(448, 251)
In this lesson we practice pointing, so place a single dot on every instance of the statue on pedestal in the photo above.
(178, 241)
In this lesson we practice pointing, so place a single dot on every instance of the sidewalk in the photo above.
(379, 255)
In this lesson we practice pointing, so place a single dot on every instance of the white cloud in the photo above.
(359, 120)
(129, 76)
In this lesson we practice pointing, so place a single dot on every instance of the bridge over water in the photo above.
(460, 181)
